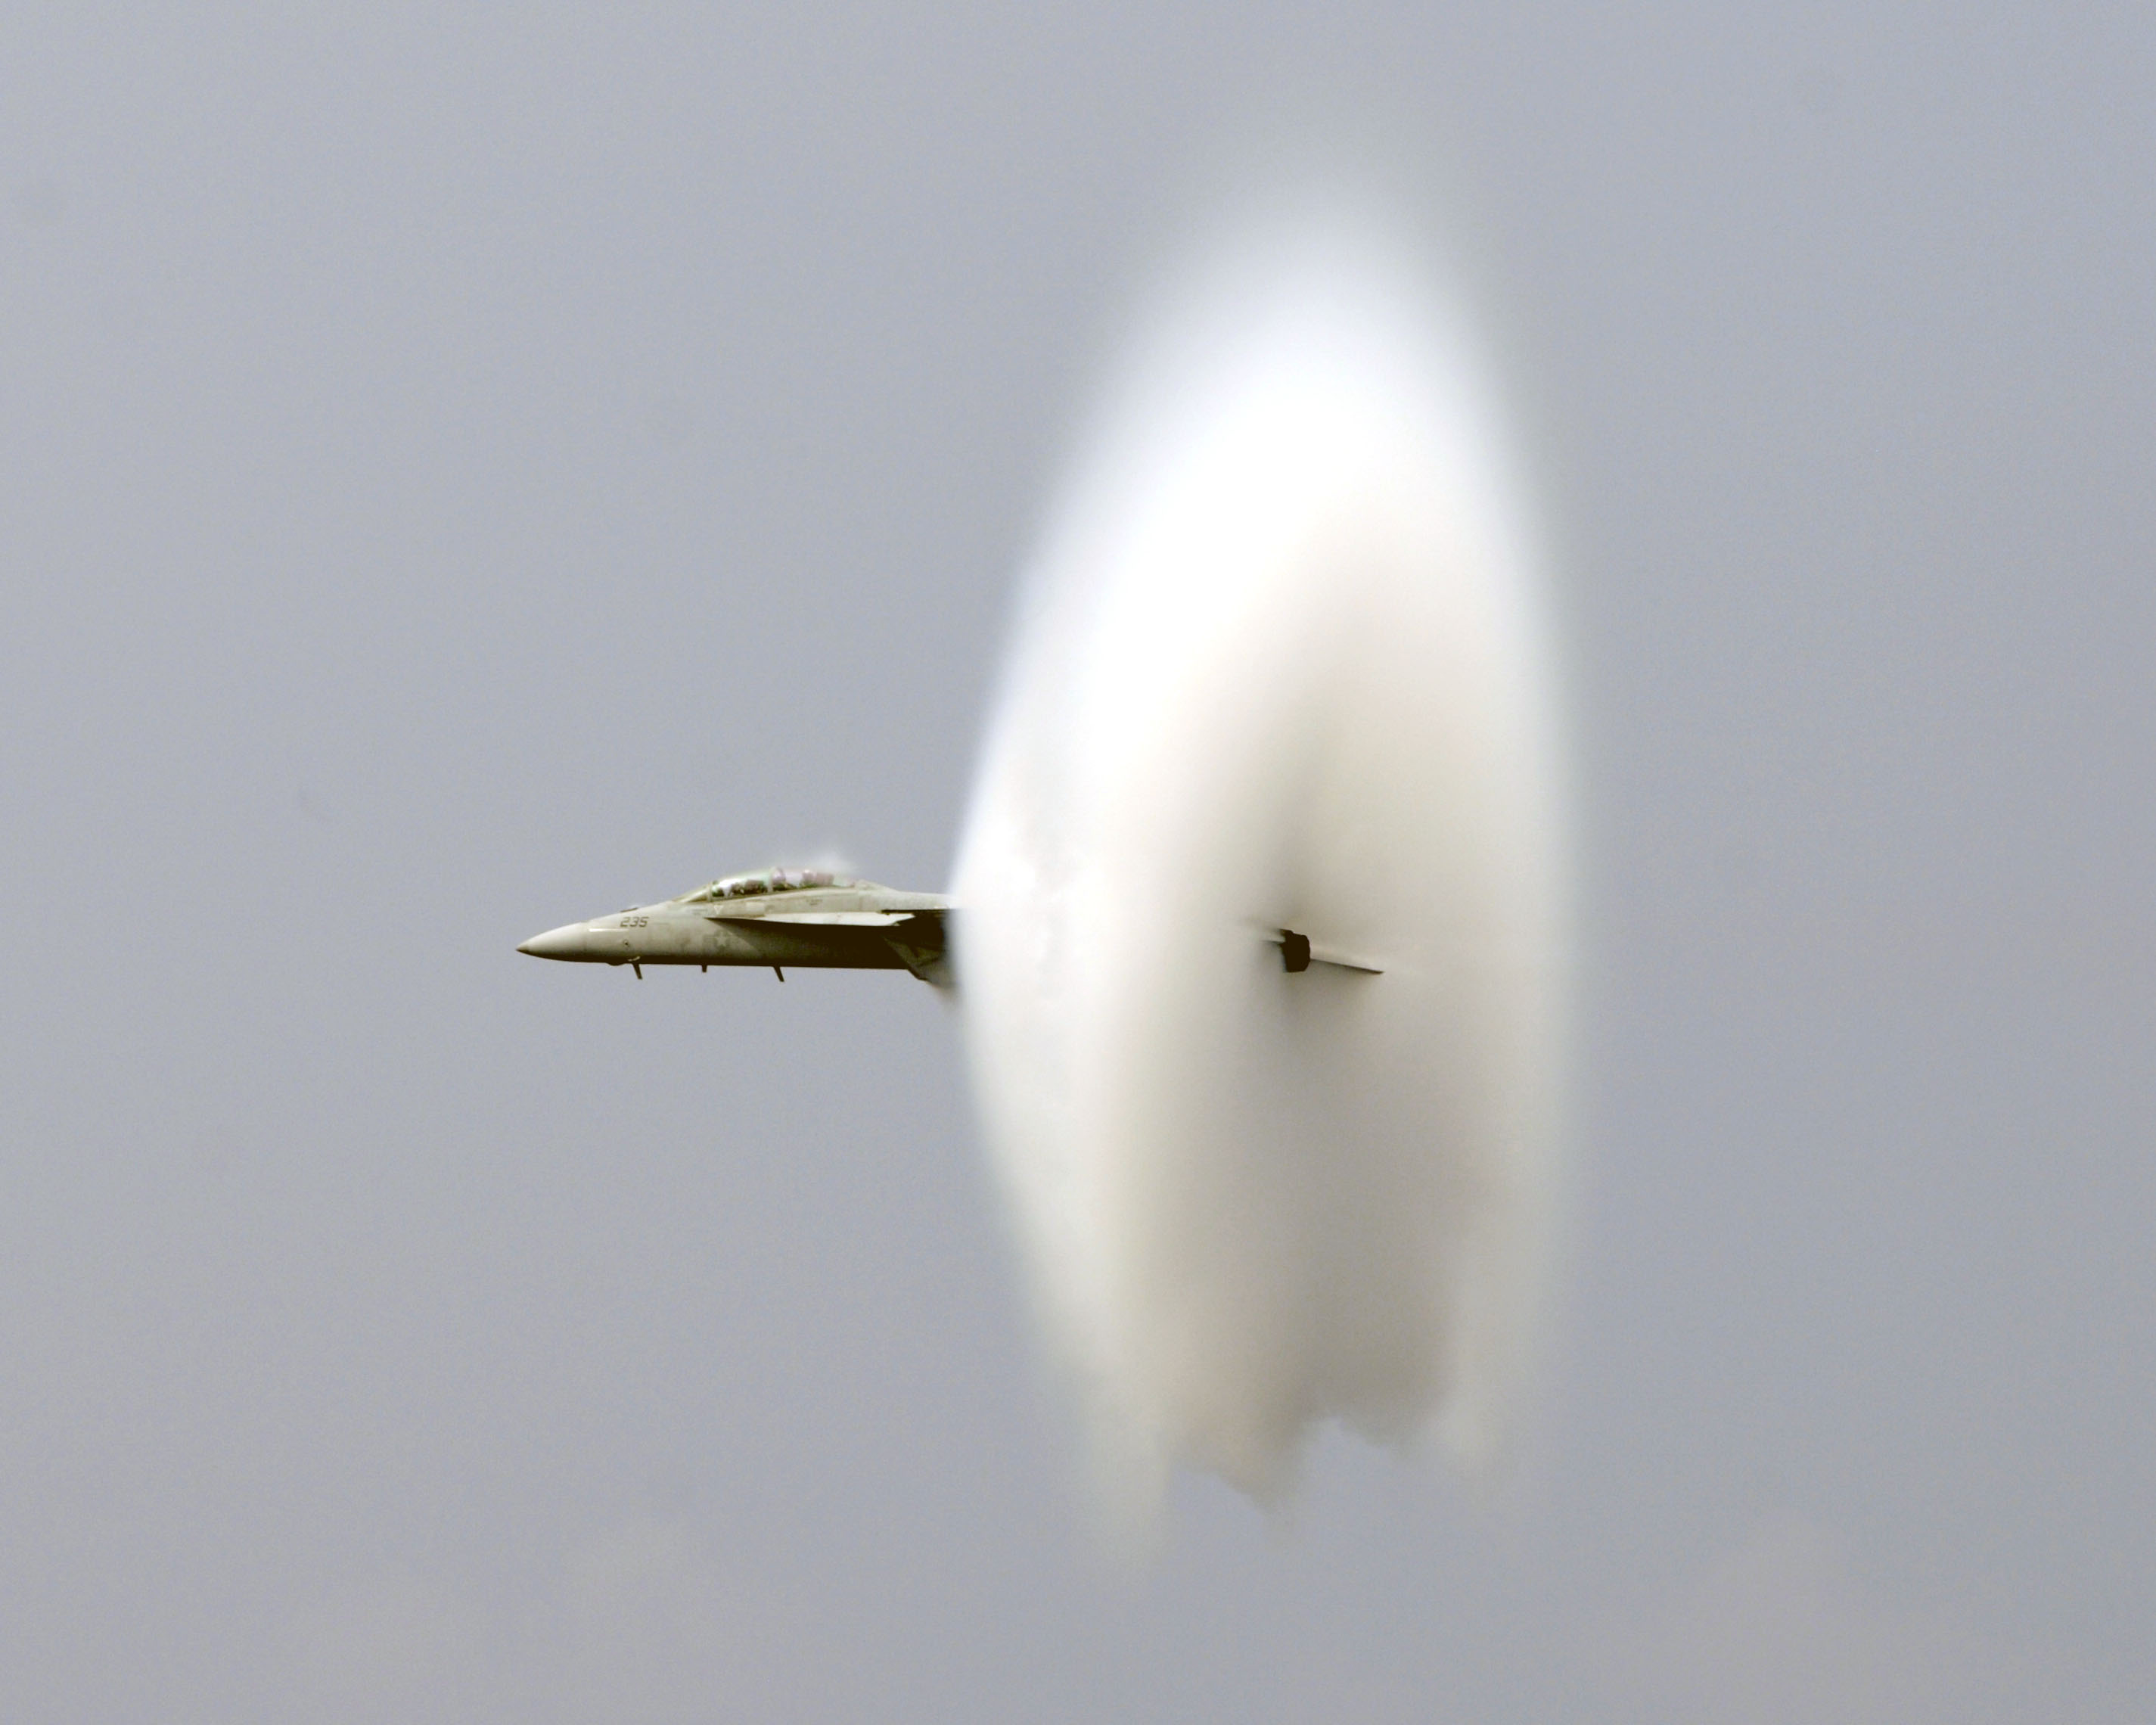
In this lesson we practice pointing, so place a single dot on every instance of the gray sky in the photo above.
(462, 473)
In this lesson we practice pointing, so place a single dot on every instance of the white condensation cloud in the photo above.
(1280, 663)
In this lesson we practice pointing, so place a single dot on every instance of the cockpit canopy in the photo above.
(768, 881)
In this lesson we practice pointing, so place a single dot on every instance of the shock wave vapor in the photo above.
(1279, 693)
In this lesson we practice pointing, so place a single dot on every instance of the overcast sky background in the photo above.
(465, 471)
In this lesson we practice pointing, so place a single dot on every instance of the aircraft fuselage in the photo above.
(769, 922)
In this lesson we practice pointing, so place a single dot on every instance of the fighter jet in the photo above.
(811, 919)
(805, 917)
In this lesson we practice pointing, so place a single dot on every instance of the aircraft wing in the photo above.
(821, 919)
(919, 929)
(913, 936)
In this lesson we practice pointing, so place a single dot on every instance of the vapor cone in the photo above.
(1278, 667)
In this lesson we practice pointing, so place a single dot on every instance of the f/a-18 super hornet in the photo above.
(805, 917)
(811, 919)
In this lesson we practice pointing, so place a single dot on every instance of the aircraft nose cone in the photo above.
(567, 941)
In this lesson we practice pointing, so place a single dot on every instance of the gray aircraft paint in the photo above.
(817, 924)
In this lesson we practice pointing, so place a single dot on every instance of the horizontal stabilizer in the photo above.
(1298, 952)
